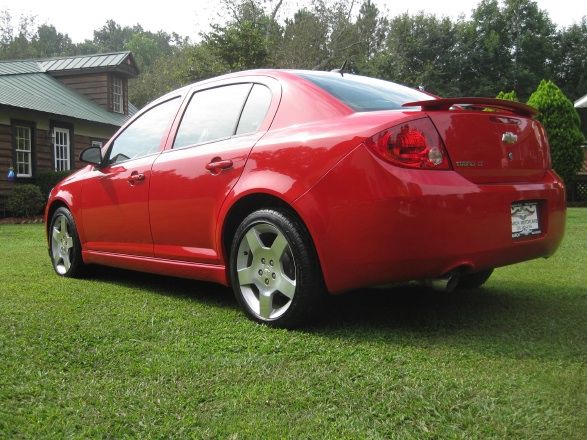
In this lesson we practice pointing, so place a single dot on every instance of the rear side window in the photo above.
(255, 109)
(364, 94)
(211, 114)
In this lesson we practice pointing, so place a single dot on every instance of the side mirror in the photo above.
(91, 155)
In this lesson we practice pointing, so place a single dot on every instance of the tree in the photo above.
(510, 96)
(419, 52)
(570, 66)
(531, 36)
(371, 31)
(482, 51)
(304, 41)
(47, 42)
(563, 126)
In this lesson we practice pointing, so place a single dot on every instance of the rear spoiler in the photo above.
(475, 104)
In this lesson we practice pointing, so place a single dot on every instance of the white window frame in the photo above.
(117, 95)
(62, 149)
(24, 150)
(98, 144)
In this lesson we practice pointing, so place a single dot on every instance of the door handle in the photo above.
(217, 164)
(135, 177)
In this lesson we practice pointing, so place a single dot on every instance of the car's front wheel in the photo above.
(274, 270)
(66, 253)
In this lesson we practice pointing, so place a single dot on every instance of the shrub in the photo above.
(563, 126)
(510, 96)
(25, 200)
(46, 180)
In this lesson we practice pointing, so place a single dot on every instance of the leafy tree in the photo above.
(482, 51)
(419, 52)
(303, 44)
(244, 42)
(570, 66)
(531, 36)
(561, 121)
(371, 31)
(47, 42)
(510, 96)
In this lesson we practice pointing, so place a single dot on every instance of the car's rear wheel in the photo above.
(66, 253)
(474, 280)
(274, 270)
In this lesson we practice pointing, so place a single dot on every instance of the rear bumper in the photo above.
(373, 223)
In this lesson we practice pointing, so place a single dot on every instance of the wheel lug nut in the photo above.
(271, 262)
(263, 260)
(260, 272)
(273, 275)
(267, 281)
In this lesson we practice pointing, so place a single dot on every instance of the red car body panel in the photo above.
(392, 224)
(371, 222)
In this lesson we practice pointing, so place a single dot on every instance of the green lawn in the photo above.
(134, 355)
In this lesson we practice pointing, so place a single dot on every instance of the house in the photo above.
(51, 109)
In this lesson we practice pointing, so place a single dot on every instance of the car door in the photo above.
(191, 179)
(115, 196)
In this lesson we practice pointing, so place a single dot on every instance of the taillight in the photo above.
(413, 144)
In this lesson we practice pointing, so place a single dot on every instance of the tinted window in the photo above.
(255, 109)
(211, 114)
(145, 134)
(365, 94)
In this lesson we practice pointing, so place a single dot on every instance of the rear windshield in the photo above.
(364, 94)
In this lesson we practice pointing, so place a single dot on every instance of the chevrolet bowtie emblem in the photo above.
(509, 138)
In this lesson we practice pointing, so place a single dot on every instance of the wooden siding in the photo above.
(43, 155)
(5, 161)
(94, 86)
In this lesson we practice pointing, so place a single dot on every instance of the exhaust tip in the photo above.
(447, 283)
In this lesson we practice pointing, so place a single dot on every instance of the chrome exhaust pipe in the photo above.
(447, 283)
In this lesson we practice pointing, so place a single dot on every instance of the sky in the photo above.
(79, 18)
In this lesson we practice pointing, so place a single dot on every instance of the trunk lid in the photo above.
(499, 146)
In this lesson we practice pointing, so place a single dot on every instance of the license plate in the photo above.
(525, 219)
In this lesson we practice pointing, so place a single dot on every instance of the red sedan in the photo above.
(290, 184)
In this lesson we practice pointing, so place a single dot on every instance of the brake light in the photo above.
(414, 144)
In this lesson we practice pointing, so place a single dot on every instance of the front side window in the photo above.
(117, 95)
(23, 146)
(145, 134)
(211, 114)
(61, 149)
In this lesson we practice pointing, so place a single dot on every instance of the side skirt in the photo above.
(182, 269)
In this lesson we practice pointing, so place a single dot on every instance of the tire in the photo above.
(65, 247)
(474, 280)
(274, 269)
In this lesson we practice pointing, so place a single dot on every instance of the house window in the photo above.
(117, 95)
(61, 149)
(23, 145)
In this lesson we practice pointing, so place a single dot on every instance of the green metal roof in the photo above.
(118, 61)
(43, 93)
(96, 61)
(17, 67)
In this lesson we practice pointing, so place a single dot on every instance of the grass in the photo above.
(133, 355)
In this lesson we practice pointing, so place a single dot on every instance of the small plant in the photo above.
(25, 200)
(46, 180)
(509, 96)
(563, 126)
